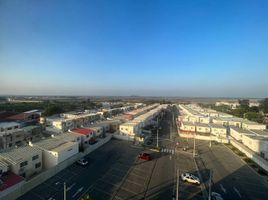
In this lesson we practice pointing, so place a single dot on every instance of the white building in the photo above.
(202, 128)
(8, 126)
(3, 167)
(246, 124)
(218, 130)
(187, 127)
(257, 144)
(239, 133)
(24, 161)
(56, 150)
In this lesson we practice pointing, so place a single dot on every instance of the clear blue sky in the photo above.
(216, 48)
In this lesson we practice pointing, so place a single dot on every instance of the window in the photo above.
(10, 145)
(37, 165)
(35, 157)
(23, 164)
(87, 136)
(70, 149)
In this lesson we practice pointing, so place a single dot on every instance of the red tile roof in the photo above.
(9, 180)
(83, 131)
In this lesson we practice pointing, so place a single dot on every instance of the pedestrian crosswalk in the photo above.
(167, 150)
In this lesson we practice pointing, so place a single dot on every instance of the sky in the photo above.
(184, 48)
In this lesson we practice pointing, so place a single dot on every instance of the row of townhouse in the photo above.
(135, 127)
(256, 140)
(13, 135)
(204, 128)
(194, 113)
(71, 120)
(135, 113)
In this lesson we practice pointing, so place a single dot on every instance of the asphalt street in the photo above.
(231, 177)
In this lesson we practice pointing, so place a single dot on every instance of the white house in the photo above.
(187, 127)
(56, 150)
(218, 130)
(257, 144)
(202, 128)
(246, 124)
(239, 133)
(24, 161)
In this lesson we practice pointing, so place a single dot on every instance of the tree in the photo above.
(264, 105)
(53, 109)
(253, 116)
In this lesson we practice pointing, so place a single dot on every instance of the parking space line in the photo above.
(135, 183)
(37, 195)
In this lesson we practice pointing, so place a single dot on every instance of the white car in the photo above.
(82, 162)
(190, 178)
(216, 196)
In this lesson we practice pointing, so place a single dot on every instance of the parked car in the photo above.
(82, 162)
(216, 196)
(144, 156)
(190, 178)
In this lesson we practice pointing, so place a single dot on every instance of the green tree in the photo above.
(257, 117)
(264, 105)
(53, 109)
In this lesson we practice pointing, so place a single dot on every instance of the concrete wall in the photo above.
(250, 154)
(123, 137)
(23, 187)
(201, 137)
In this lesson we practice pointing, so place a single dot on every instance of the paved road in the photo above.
(231, 177)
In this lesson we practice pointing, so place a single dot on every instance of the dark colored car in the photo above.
(144, 156)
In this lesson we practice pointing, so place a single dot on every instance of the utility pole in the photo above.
(64, 191)
(194, 147)
(210, 141)
(157, 133)
(177, 187)
(210, 182)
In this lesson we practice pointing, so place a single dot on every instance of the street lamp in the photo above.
(194, 146)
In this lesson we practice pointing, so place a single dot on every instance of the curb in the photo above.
(246, 164)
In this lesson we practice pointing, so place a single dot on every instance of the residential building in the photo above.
(238, 133)
(218, 130)
(202, 128)
(257, 144)
(56, 150)
(187, 127)
(24, 161)
(246, 124)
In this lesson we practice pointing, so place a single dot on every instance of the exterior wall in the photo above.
(254, 126)
(202, 129)
(235, 123)
(193, 119)
(236, 135)
(30, 169)
(66, 153)
(251, 143)
(190, 128)
(204, 120)
(220, 121)
(11, 139)
(218, 131)
(127, 129)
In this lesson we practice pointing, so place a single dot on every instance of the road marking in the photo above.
(238, 193)
(222, 188)
(70, 187)
(78, 191)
